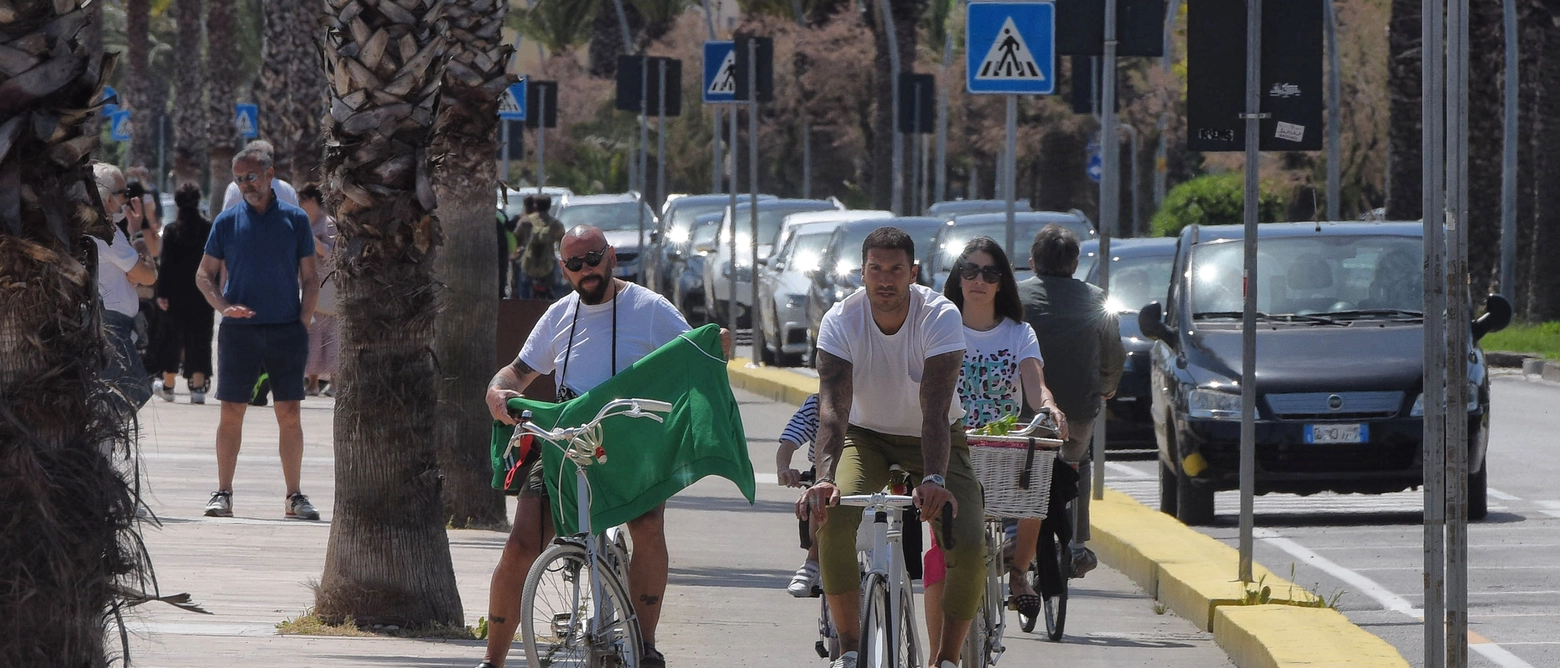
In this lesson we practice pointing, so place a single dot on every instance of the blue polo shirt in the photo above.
(262, 252)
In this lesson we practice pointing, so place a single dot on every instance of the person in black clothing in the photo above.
(188, 318)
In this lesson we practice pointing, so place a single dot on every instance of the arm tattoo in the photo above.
(939, 378)
(521, 368)
(836, 382)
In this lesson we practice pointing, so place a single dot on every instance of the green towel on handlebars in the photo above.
(647, 462)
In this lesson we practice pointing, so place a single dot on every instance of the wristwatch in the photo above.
(935, 479)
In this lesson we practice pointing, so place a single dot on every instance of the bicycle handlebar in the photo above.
(883, 502)
(637, 408)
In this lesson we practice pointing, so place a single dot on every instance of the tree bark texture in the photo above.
(143, 143)
(1531, 22)
(388, 559)
(291, 89)
(1486, 74)
(1544, 274)
(465, 333)
(1404, 129)
(222, 70)
(189, 109)
(68, 543)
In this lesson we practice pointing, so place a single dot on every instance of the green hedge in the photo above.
(1212, 199)
(1541, 338)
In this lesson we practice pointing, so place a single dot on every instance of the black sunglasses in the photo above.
(592, 258)
(990, 274)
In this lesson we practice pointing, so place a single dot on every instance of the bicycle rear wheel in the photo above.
(558, 614)
(885, 642)
(1054, 569)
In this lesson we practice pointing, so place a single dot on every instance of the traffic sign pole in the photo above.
(1248, 332)
(1456, 347)
(660, 138)
(1433, 149)
(1110, 205)
(644, 142)
(731, 239)
(541, 142)
(503, 168)
(754, 316)
(1008, 168)
(898, 189)
(1334, 92)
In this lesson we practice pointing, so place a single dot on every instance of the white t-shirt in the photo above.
(989, 383)
(887, 369)
(645, 321)
(115, 260)
(284, 191)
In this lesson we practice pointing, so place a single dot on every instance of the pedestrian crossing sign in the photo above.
(247, 118)
(720, 72)
(1011, 48)
(512, 105)
(119, 125)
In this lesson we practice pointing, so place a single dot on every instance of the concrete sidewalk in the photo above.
(726, 603)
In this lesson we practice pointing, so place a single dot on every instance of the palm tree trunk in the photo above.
(189, 118)
(143, 144)
(221, 80)
(67, 546)
(309, 95)
(388, 559)
(1486, 72)
(1404, 129)
(465, 334)
(274, 92)
(1544, 274)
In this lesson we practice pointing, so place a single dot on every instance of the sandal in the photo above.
(1027, 605)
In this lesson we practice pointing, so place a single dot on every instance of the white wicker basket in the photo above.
(1000, 466)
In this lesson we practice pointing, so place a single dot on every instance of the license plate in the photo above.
(1319, 434)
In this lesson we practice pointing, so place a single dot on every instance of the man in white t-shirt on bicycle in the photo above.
(888, 362)
(601, 328)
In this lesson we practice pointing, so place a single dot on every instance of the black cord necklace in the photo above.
(563, 393)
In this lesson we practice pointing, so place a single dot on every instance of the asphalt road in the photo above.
(1370, 549)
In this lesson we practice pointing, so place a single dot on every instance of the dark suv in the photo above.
(1339, 365)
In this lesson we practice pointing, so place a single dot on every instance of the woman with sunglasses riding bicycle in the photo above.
(1002, 370)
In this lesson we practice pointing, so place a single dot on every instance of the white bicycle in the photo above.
(575, 609)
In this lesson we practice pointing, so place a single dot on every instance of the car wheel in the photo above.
(761, 345)
(1193, 502)
(1478, 492)
(1167, 489)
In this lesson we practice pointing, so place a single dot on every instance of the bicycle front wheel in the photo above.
(563, 624)
(1055, 567)
(887, 641)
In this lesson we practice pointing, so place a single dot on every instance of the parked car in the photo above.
(1339, 365)
(782, 291)
(839, 270)
(718, 267)
(674, 234)
(956, 233)
(688, 266)
(1139, 274)
(619, 217)
(962, 207)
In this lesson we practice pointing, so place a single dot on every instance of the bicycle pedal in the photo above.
(823, 652)
(817, 591)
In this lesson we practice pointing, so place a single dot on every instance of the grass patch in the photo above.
(1542, 339)
(310, 624)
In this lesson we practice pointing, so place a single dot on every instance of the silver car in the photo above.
(620, 217)
(782, 291)
(959, 231)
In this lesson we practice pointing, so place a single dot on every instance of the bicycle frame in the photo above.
(886, 559)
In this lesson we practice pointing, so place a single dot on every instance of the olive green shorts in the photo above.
(863, 469)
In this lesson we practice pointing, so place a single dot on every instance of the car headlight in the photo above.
(795, 301)
(1473, 402)
(1213, 405)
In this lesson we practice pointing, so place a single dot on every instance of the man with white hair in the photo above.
(284, 190)
(267, 249)
(120, 269)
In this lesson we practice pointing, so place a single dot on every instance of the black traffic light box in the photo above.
(541, 100)
(1291, 77)
(917, 93)
(763, 66)
(629, 82)
(1140, 27)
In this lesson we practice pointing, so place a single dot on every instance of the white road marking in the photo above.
(212, 457)
(1501, 495)
(1125, 470)
(1382, 595)
(1552, 506)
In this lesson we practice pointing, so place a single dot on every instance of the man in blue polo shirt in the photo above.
(266, 248)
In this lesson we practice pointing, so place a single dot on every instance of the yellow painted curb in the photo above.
(1283, 636)
(777, 384)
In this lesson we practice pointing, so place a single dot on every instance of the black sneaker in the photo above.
(650, 658)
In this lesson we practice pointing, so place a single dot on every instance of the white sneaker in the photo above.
(162, 391)
(805, 579)
(220, 505)
(846, 660)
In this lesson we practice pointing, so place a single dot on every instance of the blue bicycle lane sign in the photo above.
(1011, 48)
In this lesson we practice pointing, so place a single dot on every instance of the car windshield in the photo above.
(705, 231)
(682, 217)
(769, 220)
(607, 216)
(849, 260)
(808, 250)
(1335, 276)
(1135, 281)
(959, 236)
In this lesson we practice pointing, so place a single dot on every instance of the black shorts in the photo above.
(532, 484)
(246, 351)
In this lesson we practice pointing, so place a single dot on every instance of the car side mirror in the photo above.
(655, 236)
(1151, 322)
(1497, 314)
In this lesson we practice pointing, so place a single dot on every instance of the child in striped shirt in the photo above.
(803, 428)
